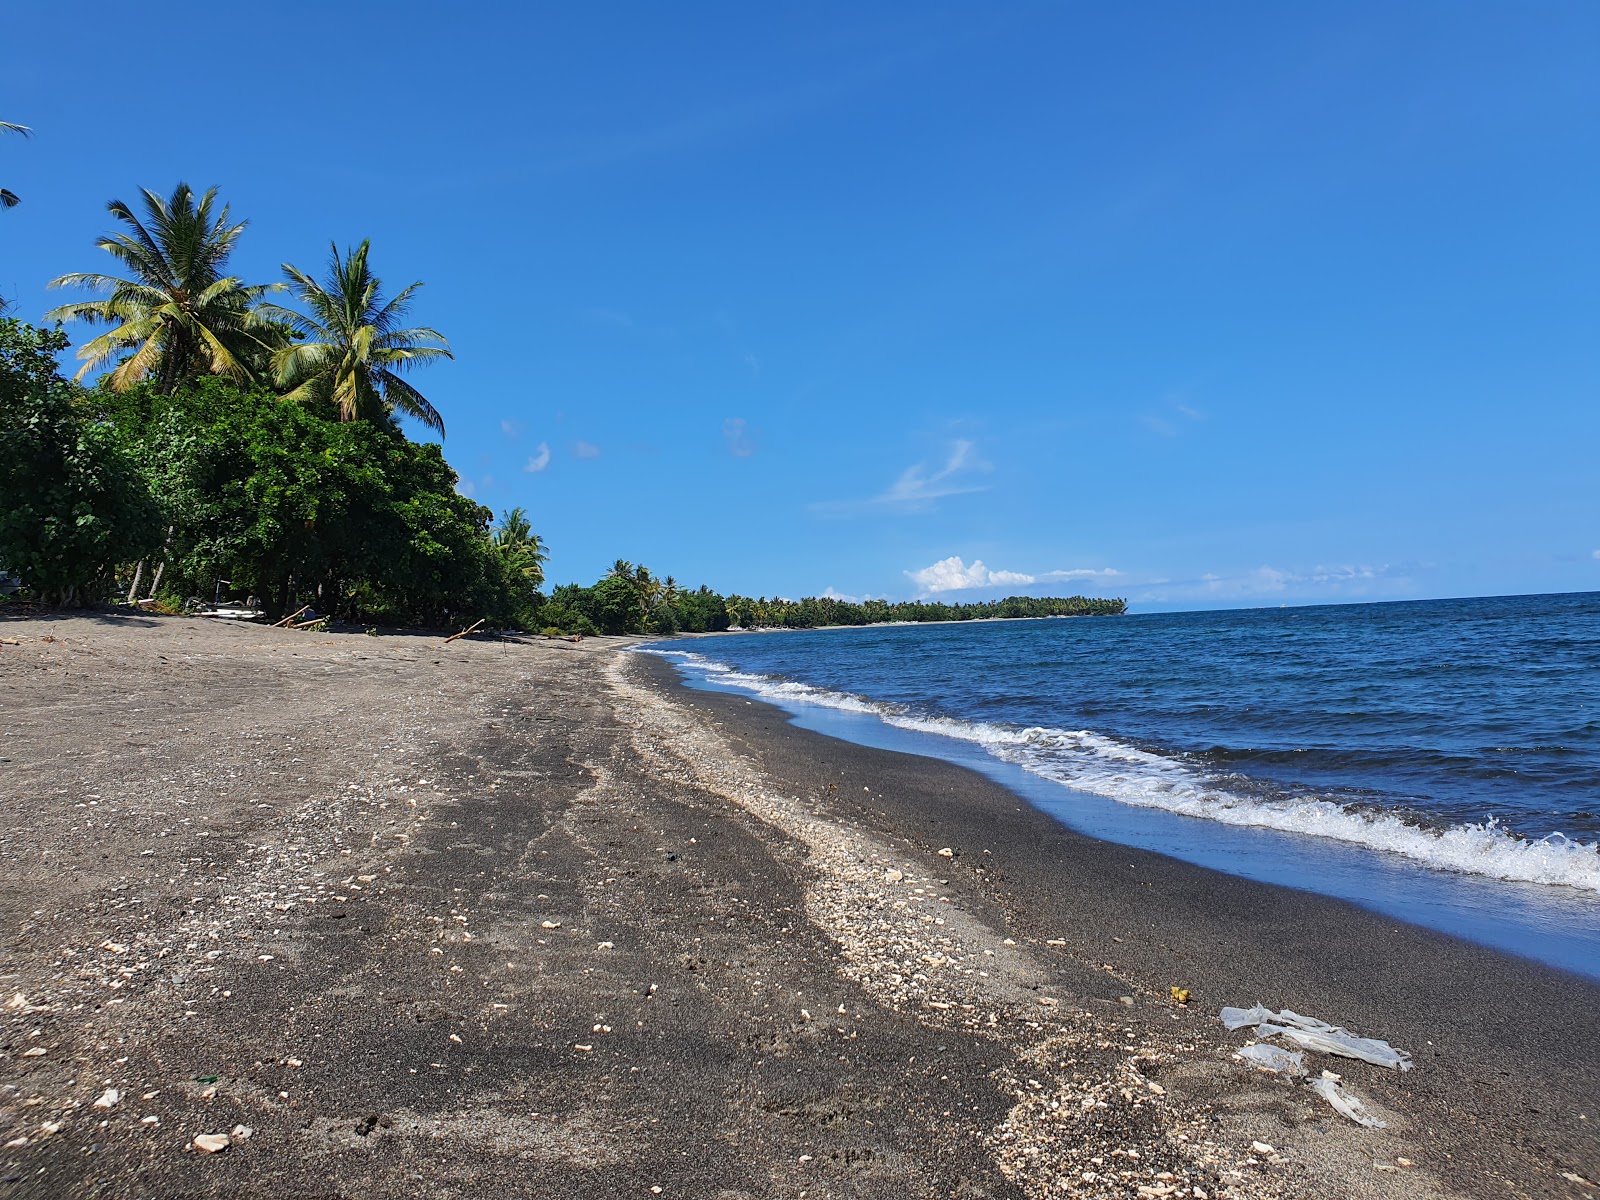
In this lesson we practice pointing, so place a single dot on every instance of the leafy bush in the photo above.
(73, 504)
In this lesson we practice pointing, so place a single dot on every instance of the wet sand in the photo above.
(496, 919)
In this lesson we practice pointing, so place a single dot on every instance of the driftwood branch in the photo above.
(473, 628)
(307, 624)
(290, 618)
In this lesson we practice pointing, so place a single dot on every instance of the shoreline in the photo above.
(414, 919)
(1528, 916)
(686, 634)
(1162, 922)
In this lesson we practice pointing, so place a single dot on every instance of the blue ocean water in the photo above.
(1439, 760)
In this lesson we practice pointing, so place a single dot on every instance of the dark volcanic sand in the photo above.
(385, 891)
(1507, 1051)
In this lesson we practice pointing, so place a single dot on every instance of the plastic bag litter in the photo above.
(1273, 1058)
(1343, 1102)
(1238, 1018)
(1312, 1034)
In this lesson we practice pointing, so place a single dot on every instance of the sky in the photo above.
(1202, 305)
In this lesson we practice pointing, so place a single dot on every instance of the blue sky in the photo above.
(1196, 304)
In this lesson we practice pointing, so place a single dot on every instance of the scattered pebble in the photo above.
(211, 1143)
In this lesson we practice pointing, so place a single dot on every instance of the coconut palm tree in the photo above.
(9, 199)
(524, 549)
(352, 345)
(178, 314)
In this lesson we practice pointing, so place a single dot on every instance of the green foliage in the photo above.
(702, 611)
(521, 556)
(284, 500)
(351, 348)
(616, 606)
(631, 600)
(176, 314)
(73, 504)
(815, 611)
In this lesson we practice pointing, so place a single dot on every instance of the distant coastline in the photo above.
(737, 629)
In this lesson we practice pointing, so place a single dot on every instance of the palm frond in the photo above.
(401, 395)
(144, 360)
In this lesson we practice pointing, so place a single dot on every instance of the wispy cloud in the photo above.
(919, 485)
(540, 459)
(743, 118)
(586, 450)
(1170, 420)
(736, 431)
(1267, 582)
(510, 429)
(1080, 573)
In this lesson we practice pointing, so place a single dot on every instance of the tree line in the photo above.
(235, 446)
(629, 599)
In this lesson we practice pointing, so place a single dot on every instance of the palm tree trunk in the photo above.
(155, 584)
(133, 588)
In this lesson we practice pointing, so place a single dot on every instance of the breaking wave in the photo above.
(1090, 762)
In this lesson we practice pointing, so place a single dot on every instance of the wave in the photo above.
(1086, 761)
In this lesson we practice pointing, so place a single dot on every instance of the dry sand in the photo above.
(526, 919)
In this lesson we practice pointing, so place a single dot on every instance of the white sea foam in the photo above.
(1090, 762)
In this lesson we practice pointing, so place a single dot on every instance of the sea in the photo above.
(1436, 761)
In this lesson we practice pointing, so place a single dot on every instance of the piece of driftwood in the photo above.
(473, 628)
(308, 624)
(291, 616)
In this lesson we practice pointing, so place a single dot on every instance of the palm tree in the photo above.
(524, 549)
(352, 346)
(179, 314)
(9, 199)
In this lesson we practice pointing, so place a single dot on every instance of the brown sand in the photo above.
(503, 919)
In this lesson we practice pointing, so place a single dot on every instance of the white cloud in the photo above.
(466, 488)
(510, 429)
(919, 486)
(737, 432)
(586, 450)
(953, 575)
(829, 594)
(1597, 554)
(540, 459)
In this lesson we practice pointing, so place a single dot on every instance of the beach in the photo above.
(527, 917)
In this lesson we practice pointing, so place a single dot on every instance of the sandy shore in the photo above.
(496, 919)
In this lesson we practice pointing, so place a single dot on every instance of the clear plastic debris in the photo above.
(1312, 1034)
(1343, 1102)
(1273, 1058)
